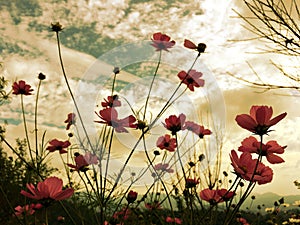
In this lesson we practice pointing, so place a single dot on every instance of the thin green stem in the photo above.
(70, 91)
(26, 130)
(35, 125)
(151, 85)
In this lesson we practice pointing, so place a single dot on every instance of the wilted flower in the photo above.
(21, 88)
(50, 188)
(56, 27)
(70, 120)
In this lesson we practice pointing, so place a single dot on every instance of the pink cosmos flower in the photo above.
(259, 121)
(154, 205)
(268, 150)
(197, 129)
(191, 79)
(166, 142)
(21, 88)
(199, 48)
(245, 166)
(173, 220)
(111, 101)
(191, 182)
(70, 120)
(109, 116)
(50, 188)
(58, 145)
(131, 196)
(211, 196)
(27, 209)
(174, 123)
(83, 161)
(162, 41)
(123, 214)
(243, 221)
(163, 167)
(225, 194)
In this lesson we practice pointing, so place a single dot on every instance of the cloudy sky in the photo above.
(209, 21)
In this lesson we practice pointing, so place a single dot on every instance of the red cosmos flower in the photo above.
(153, 206)
(27, 209)
(50, 188)
(199, 48)
(166, 142)
(174, 123)
(110, 117)
(163, 167)
(58, 145)
(123, 214)
(225, 194)
(70, 120)
(259, 121)
(83, 161)
(243, 221)
(245, 166)
(131, 196)
(211, 196)
(191, 183)
(191, 79)
(197, 129)
(21, 88)
(173, 220)
(162, 41)
(111, 101)
(269, 149)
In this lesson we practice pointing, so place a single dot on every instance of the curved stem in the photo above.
(35, 125)
(70, 91)
(26, 131)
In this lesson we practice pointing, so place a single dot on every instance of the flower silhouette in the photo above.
(191, 183)
(58, 145)
(50, 188)
(21, 88)
(162, 41)
(131, 196)
(191, 79)
(259, 121)
(268, 150)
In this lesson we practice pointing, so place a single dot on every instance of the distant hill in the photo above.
(267, 200)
